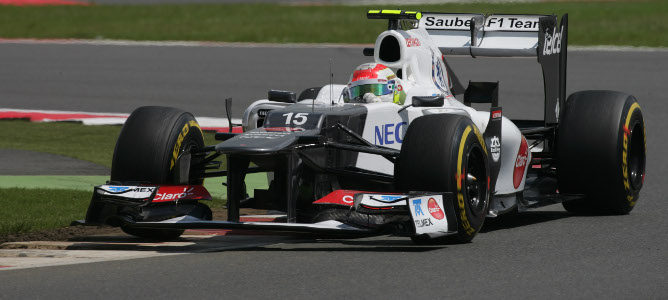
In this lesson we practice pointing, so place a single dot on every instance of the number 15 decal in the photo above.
(296, 119)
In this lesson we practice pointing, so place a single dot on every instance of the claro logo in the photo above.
(168, 196)
(552, 42)
(520, 163)
(174, 193)
(435, 210)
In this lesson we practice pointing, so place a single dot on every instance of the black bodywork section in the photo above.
(117, 209)
(310, 150)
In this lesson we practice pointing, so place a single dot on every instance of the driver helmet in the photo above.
(372, 82)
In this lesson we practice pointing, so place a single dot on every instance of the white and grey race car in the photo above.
(432, 168)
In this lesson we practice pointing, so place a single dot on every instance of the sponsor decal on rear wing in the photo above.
(442, 21)
(505, 35)
(481, 35)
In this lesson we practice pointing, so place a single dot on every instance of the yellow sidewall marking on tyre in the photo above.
(193, 123)
(179, 141)
(625, 150)
(480, 139)
(460, 194)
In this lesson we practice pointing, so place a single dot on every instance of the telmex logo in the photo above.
(125, 189)
(417, 207)
(552, 43)
(496, 148)
(118, 189)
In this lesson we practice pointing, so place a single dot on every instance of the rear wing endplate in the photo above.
(508, 36)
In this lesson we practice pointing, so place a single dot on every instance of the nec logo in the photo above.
(388, 134)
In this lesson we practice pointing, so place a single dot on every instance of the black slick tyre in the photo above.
(601, 152)
(446, 153)
(150, 142)
(147, 149)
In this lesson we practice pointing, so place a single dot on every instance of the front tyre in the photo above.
(146, 152)
(151, 141)
(601, 152)
(446, 153)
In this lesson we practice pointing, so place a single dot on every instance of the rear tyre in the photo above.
(601, 152)
(446, 153)
(146, 151)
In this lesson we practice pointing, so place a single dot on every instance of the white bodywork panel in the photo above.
(495, 35)
(134, 192)
(423, 74)
(428, 215)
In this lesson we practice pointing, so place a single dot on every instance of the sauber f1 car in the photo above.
(341, 160)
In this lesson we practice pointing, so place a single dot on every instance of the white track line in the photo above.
(44, 254)
(62, 112)
(104, 42)
(114, 118)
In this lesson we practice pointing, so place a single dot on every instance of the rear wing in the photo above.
(503, 35)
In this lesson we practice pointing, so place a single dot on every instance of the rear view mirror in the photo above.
(282, 96)
(428, 101)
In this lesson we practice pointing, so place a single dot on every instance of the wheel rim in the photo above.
(636, 157)
(476, 182)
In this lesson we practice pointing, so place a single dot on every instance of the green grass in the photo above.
(56, 182)
(31, 203)
(637, 23)
(29, 209)
(26, 210)
(86, 183)
(91, 143)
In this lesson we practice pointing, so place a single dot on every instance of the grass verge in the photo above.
(33, 203)
(26, 210)
(90, 143)
(637, 23)
(86, 183)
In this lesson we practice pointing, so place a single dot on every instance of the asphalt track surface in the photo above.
(22, 162)
(546, 253)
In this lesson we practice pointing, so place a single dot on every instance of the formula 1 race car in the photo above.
(341, 161)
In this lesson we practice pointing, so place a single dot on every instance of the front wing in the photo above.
(430, 214)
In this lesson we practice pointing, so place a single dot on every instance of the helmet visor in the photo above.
(378, 89)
